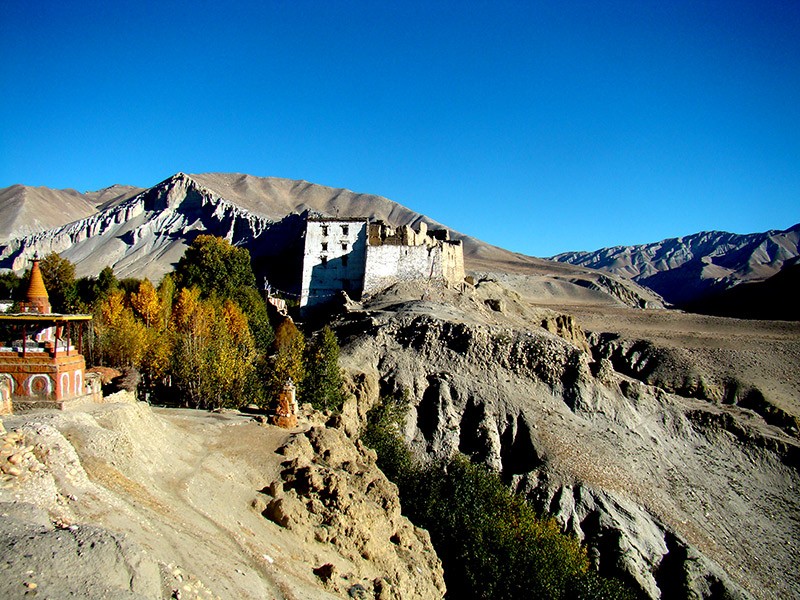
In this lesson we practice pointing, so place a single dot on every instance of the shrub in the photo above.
(491, 542)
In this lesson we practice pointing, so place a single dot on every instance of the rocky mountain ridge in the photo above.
(684, 269)
(145, 234)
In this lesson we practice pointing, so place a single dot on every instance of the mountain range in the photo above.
(144, 232)
(685, 269)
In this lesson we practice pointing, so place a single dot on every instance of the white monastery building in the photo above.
(362, 257)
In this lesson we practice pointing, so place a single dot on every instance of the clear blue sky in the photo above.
(538, 126)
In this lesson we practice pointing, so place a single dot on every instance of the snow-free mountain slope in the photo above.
(144, 235)
(684, 269)
(25, 210)
(112, 195)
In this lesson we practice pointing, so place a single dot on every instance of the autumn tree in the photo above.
(287, 361)
(120, 339)
(166, 297)
(157, 356)
(192, 326)
(322, 386)
(146, 303)
(220, 269)
(232, 352)
(214, 351)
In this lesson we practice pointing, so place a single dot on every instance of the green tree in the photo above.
(216, 267)
(322, 386)
(91, 290)
(106, 283)
(252, 304)
(59, 279)
(9, 286)
(129, 285)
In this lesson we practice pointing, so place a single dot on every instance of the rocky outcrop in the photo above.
(121, 500)
(662, 500)
(330, 491)
(680, 371)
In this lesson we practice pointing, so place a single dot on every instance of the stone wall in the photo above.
(452, 257)
(389, 264)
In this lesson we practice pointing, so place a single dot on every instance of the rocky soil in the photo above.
(680, 485)
(125, 501)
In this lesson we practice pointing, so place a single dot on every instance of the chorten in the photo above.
(36, 300)
(41, 365)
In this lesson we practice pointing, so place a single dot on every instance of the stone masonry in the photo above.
(361, 257)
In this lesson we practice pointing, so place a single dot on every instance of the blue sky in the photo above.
(537, 126)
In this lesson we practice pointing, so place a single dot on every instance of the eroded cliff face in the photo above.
(331, 492)
(679, 496)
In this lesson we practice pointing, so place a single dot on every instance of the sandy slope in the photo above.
(185, 490)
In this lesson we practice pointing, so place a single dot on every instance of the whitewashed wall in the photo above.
(333, 260)
(389, 264)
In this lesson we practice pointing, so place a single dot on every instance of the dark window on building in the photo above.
(345, 229)
(324, 246)
(324, 230)
(344, 246)
(324, 261)
(344, 260)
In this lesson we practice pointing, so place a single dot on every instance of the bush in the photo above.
(491, 542)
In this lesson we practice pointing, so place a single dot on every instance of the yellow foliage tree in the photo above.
(112, 307)
(121, 339)
(287, 362)
(146, 303)
(214, 350)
